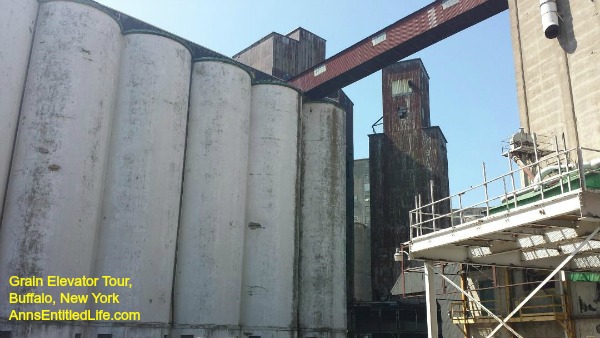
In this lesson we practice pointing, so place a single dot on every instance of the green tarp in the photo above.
(584, 277)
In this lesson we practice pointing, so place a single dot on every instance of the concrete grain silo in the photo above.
(269, 280)
(211, 235)
(322, 238)
(141, 155)
(56, 182)
(17, 23)
(140, 214)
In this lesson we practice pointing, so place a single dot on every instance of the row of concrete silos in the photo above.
(126, 156)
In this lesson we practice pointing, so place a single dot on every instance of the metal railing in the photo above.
(560, 172)
(543, 305)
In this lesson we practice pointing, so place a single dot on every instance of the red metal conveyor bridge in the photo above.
(407, 36)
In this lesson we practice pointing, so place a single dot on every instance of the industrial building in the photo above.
(408, 159)
(222, 186)
(134, 153)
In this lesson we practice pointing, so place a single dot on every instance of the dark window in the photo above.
(253, 336)
(78, 335)
(402, 111)
(187, 336)
(5, 334)
(104, 335)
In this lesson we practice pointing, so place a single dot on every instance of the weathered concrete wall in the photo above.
(558, 79)
(261, 55)
(211, 234)
(143, 181)
(362, 192)
(57, 179)
(362, 263)
(139, 157)
(322, 303)
(269, 269)
(17, 23)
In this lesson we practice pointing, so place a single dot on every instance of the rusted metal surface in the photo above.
(403, 160)
(415, 32)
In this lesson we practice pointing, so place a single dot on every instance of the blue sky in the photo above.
(472, 76)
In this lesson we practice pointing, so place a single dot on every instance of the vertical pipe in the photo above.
(140, 210)
(268, 302)
(57, 177)
(17, 24)
(208, 275)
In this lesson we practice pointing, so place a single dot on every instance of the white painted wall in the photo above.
(57, 179)
(17, 23)
(140, 210)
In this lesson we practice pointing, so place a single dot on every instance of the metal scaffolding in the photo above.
(548, 218)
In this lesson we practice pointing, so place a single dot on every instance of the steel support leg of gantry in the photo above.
(550, 276)
(430, 299)
(428, 266)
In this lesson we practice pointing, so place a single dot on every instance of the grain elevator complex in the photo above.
(223, 187)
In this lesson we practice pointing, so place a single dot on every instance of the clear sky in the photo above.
(472, 76)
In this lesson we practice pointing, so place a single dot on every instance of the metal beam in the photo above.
(511, 219)
(407, 36)
(550, 276)
(430, 300)
(466, 294)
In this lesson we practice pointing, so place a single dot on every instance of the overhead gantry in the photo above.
(407, 36)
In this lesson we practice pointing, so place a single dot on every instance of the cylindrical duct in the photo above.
(211, 234)
(322, 302)
(143, 181)
(268, 291)
(57, 178)
(17, 22)
(549, 14)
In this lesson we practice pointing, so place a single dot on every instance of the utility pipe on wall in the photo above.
(548, 10)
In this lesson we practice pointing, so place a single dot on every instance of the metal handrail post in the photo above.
(432, 204)
(582, 183)
(485, 189)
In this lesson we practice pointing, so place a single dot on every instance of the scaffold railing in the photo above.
(559, 172)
